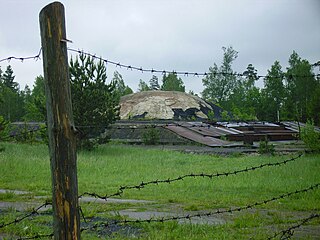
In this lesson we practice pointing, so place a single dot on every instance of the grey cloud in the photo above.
(172, 35)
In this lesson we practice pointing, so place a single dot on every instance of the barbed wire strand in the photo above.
(35, 57)
(157, 182)
(189, 216)
(32, 213)
(185, 73)
(288, 233)
(121, 189)
(208, 214)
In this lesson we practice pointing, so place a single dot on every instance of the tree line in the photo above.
(287, 94)
(291, 94)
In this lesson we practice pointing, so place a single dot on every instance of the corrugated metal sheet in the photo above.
(294, 126)
(209, 130)
(194, 136)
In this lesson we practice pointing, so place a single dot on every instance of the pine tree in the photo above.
(143, 86)
(301, 85)
(171, 82)
(245, 99)
(274, 92)
(12, 104)
(120, 88)
(36, 104)
(8, 79)
(154, 83)
(94, 102)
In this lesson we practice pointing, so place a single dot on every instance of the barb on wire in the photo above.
(184, 73)
(35, 57)
(288, 233)
(207, 214)
(20, 219)
(192, 175)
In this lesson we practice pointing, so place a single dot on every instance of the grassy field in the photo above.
(26, 167)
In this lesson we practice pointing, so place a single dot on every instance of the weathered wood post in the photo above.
(62, 141)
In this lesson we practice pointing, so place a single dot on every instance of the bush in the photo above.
(43, 132)
(91, 139)
(4, 129)
(151, 136)
(265, 147)
(311, 137)
(25, 135)
(211, 116)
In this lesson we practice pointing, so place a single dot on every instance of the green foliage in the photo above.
(151, 136)
(219, 87)
(301, 87)
(36, 103)
(87, 144)
(94, 102)
(4, 129)
(171, 82)
(12, 105)
(240, 115)
(265, 147)
(225, 116)
(244, 101)
(8, 79)
(154, 83)
(24, 134)
(120, 88)
(30, 133)
(129, 165)
(274, 93)
(290, 95)
(43, 134)
(143, 86)
(311, 137)
(313, 108)
(211, 116)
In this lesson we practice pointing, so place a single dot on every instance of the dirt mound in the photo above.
(166, 105)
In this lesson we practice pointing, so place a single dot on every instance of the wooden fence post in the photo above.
(62, 140)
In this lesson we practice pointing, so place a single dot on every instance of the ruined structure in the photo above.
(166, 105)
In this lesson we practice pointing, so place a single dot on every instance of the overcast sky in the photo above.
(180, 35)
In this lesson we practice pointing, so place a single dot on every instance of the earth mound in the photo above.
(166, 105)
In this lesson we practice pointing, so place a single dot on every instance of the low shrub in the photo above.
(311, 137)
(265, 147)
(151, 136)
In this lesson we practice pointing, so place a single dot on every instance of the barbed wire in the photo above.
(288, 233)
(35, 57)
(121, 189)
(20, 219)
(208, 214)
(184, 73)
(205, 214)
(152, 70)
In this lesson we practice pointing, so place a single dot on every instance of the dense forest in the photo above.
(287, 94)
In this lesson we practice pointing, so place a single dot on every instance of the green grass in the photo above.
(27, 167)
